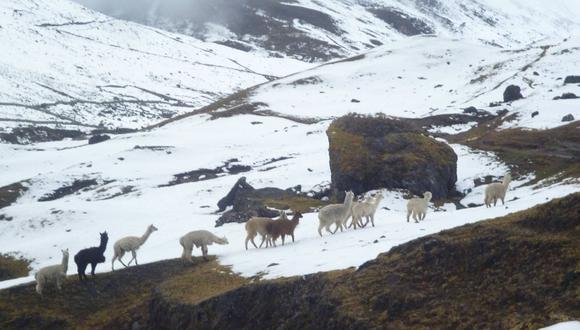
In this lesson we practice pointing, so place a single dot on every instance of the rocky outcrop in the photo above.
(572, 80)
(470, 277)
(247, 202)
(98, 138)
(369, 153)
(512, 93)
(568, 117)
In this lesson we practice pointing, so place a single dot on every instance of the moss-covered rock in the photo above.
(378, 152)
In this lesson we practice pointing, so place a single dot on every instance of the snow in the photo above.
(93, 69)
(39, 229)
(570, 325)
(385, 81)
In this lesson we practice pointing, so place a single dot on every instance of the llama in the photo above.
(52, 274)
(365, 209)
(335, 213)
(418, 207)
(130, 243)
(283, 227)
(496, 190)
(257, 225)
(93, 256)
(199, 238)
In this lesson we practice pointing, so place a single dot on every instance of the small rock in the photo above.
(383, 236)
(502, 113)
(566, 96)
(98, 138)
(512, 93)
(121, 158)
(273, 264)
(568, 117)
(536, 73)
(355, 101)
(309, 169)
(376, 241)
(535, 113)
(256, 122)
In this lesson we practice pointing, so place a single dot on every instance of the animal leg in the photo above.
(135, 256)
(81, 271)
(320, 229)
(283, 239)
(265, 239)
(93, 266)
(328, 229)
(408, 215)
(39, 285)
(502, 201)
(292, 237)
(204, 252)
(372, 217)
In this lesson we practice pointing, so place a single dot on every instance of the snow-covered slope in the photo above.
(426, 75)
(129, 194)
(62, 63)
(321, 30)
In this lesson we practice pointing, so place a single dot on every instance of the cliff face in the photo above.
(519, 271)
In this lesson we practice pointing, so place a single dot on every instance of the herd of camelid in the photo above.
(269, 229)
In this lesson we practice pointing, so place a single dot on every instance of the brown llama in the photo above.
(283, 227)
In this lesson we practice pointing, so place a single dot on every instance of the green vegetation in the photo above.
(547, 153)
(13, 267)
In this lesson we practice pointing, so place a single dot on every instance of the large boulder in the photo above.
(512, 93)
(378, 152)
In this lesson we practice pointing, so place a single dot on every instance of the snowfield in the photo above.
(39, 229)
(429, 75)
(67, 65)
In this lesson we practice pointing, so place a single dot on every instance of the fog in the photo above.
(144, 10)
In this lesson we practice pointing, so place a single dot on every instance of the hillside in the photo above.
(69, 67)
(312, 30)
(473, 276)
(411, 78)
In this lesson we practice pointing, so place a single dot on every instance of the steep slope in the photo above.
(313, 30)
(63, 64)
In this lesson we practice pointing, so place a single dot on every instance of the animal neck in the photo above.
(65, 262)
(145, 236)
(103, 245)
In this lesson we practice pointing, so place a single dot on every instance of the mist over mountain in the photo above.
(321, 30)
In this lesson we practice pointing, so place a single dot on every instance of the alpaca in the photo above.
(130, 243)
(283, 227)
(335, 213)
(365, 209)
(199, 238)
(257, 225)
(496, 191)
(52, 274)
(418, 207)
(93, 256)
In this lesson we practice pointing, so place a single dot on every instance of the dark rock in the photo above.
(572, 80)
(535, 113)
(568, 117)
(369, 153)
(10, 193)
(471, 110)
(512, 93)
(536, 73)
(566, 96)
(33, 134)
(355, 101)
(98, 138)
(247, 202)
(502, 112)
(61, 192)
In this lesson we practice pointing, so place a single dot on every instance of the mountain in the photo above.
(312, 30)
(66, 65)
